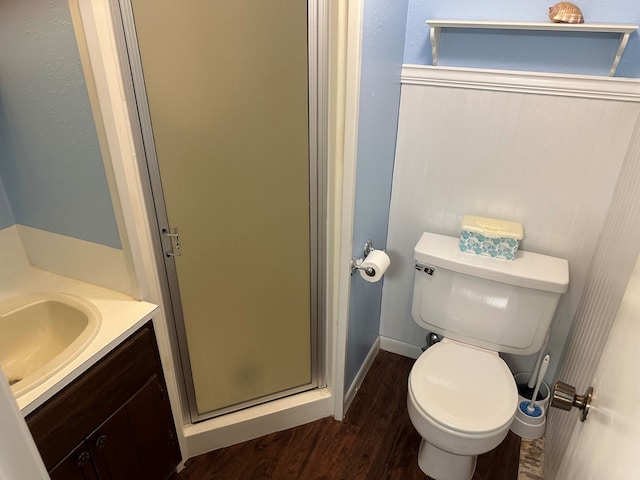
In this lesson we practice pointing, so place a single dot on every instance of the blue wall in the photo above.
(50, 161)
(395, 32)
(589, 54)
(382, 51)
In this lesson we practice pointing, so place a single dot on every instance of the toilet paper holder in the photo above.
(356, 263)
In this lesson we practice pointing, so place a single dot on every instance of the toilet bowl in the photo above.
(462, 400)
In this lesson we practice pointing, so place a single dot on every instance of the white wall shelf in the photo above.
(624, 30)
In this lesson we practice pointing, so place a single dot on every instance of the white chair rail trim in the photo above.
(585, 86)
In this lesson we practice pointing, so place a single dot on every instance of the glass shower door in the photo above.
(226, 82)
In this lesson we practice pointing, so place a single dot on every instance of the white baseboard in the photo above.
(257, 421)
(71, 257)
(401, 348)
(366, 365)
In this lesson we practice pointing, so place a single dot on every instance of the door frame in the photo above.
(144, 147)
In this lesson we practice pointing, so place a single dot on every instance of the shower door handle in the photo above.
(174, 239)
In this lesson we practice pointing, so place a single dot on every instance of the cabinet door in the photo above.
(152, 426)
(137, 442)
(113, 447)
(78, 465)
(69, 417)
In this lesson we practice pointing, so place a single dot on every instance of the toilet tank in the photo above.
(502, 305)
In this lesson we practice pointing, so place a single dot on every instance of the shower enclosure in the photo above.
(227, 96)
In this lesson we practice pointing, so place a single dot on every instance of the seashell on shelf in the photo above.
(565, 12)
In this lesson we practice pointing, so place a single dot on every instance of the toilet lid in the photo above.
(464, 388)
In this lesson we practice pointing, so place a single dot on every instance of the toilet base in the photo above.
(442, 465)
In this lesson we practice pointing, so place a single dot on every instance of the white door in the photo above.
(607, 444)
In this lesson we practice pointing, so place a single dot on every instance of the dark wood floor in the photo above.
(375, 441)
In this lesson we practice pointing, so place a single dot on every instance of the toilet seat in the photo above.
(464, 388)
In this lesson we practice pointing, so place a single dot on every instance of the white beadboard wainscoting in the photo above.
(544, 150)
(612, 266)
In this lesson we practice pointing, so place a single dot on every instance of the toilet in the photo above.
(461, 395)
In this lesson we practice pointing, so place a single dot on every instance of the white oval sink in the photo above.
(40, 333)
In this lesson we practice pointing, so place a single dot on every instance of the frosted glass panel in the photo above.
(227, 90)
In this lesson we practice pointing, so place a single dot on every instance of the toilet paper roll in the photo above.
(373, 267)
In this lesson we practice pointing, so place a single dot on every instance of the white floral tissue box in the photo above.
(490, 237)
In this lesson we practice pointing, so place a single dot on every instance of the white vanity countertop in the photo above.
(121, 316)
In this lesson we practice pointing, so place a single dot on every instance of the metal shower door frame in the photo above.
(144, 145)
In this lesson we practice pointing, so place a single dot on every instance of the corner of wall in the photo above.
(383, 26)
(85, 261)
(13, 256)
(352, 46)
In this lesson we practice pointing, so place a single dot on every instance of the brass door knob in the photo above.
(564, 397)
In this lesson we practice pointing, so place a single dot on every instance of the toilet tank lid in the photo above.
(528, 269)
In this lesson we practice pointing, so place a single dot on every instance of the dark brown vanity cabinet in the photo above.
(113, 422)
